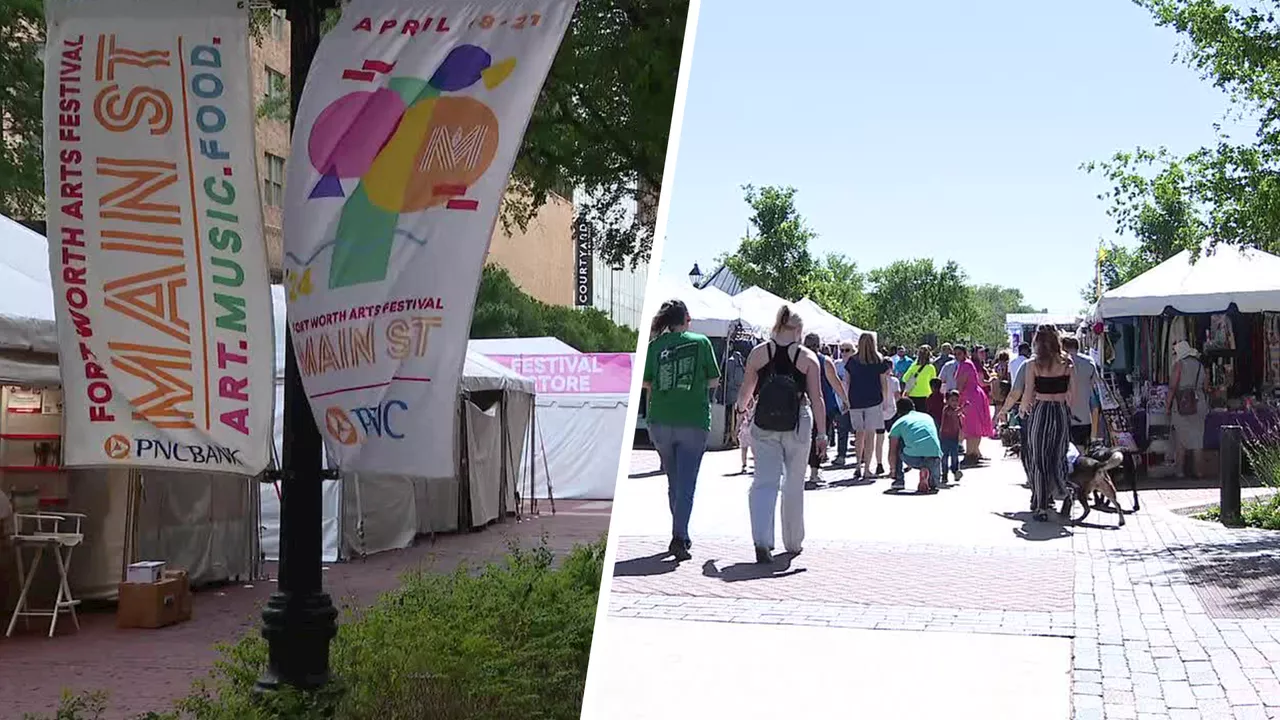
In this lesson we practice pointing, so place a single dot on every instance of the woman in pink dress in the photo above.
(977, 424)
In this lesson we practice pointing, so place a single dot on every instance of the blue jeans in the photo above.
(906, 462)
(951, 452)
(681, 450)
(842, 434)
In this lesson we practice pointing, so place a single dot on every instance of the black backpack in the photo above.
(778, 395)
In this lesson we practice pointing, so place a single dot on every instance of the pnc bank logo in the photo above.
(117, 447)
(346, 426)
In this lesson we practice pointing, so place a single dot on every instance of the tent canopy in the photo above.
(829, 327)
(26, 292)
(713, 312)
(481, 373)
(522, 346)
(759, 308)
(1247, 277)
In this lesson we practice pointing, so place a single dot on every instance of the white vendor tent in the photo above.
(759, 308)
(714, 313)
(1247, 277)
(576, 440)
(28, 336)
(202, 522)
(831, 329)
(521, 346)
(370, 513)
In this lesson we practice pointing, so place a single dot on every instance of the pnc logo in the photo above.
(339, 425)
(374, 421)
(117, 447)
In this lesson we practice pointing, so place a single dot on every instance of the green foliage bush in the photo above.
(508, 640)
(503, 310)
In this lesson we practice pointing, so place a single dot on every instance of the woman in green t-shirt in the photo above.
(680, 370)
(917, 378)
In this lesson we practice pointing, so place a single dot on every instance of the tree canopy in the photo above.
(21, 108)
(600, 125)
(904, 302)
(1227, 191)
(503, 310)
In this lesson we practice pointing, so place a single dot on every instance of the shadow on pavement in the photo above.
(1035, 530)
(659, 564)
(651, 473)
(850, 482)
(739, 572)
(1234, 578)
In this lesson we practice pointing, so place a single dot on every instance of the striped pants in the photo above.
(1044, 454)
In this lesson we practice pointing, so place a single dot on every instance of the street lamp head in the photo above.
(695, 275)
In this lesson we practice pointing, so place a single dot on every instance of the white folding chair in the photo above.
(61, 533)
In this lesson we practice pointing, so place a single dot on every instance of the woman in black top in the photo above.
(1050, 380)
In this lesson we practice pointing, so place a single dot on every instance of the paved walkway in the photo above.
(146, 670)
(959, 595)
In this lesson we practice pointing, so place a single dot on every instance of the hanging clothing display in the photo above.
(1221, 334)
(1271, 335)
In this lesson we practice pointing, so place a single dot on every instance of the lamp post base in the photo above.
(298, 628)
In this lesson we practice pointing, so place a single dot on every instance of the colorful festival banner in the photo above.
(408, 129)
(155, 235)
(593, 373)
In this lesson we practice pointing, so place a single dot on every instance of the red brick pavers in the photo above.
(145, 670)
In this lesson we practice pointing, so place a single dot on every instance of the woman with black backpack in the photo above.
(785, 378)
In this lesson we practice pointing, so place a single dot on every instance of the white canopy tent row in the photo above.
(1245, 277)
(713, 311)
(368, 513)
(205, 523)
(220, 527)
(575, 437)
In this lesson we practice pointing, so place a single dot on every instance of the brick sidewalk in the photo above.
(146, 670)
(1169, 617)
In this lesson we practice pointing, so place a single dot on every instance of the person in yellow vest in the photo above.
(915, 381)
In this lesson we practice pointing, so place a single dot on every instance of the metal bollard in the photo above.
(1231, 466)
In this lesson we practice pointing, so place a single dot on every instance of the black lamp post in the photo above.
(299, 620)
(695, 275)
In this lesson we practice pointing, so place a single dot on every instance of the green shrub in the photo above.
(508, 640)
(1261, 512)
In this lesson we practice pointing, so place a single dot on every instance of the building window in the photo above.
(273, 183)
(276, 87)
(277, 24)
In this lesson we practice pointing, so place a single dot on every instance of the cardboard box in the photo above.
(184, 594)
(145, 572)
(153, 605)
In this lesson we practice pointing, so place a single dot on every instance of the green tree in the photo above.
(21, 109)
(912, 299)
(602, 122)
(838, 286)
(992, 303)
(777, 257)
(1225, 192)
(503, 310)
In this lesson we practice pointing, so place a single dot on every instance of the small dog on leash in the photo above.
(1091, 478)
(1011, 439)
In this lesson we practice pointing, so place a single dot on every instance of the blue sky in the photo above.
(931, 129)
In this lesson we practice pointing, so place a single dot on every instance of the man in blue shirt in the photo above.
(902, 362)
(913, 443)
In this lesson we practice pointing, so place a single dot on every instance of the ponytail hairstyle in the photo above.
(672, 314)
(787, 319)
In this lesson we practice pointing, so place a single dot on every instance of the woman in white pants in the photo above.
(785, 379)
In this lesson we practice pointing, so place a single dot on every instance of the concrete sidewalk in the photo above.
(1168, 617)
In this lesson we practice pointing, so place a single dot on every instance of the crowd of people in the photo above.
(794, 401)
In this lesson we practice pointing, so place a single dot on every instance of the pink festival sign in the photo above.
(597, 373)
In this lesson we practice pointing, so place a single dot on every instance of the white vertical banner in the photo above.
(156, 247)
(410, 123)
